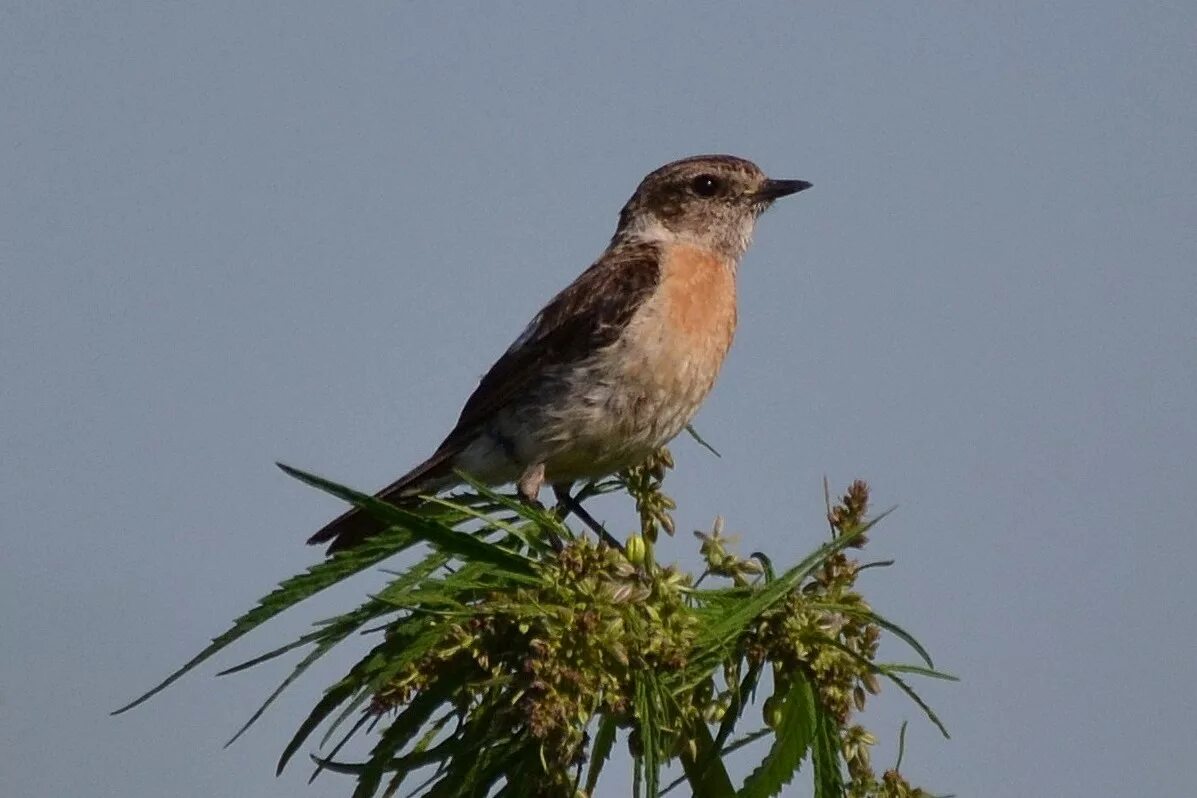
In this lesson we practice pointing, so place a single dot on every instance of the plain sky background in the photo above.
(232, 233)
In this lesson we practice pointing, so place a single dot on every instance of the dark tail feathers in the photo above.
(354, 526)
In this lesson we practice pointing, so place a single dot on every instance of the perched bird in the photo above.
(616, 364)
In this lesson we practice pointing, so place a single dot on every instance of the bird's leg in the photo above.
(572, 505)
(528, 488)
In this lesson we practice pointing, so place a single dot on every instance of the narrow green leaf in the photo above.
(931, 673)
(406, 764)
(433, 730)
(735, 745)
(474, 773)
(327, 637)
(363, 695)
(732, 624)
(793, 735)
(886, 624)
(299, 642)
(744, 691)
(542, 517)
(766, 565)
(407, 582)
(333, 698)
(290, 592)
(825, 756)
(694, 434)
(902, 635)
(318, 651)
(604, 739)
(420, 525)
(471, 752)
(647, 707)
(930, 713)
(705, 771)
(323, 762)
(402, 730)
(536, 543)
(407, 642)
(889, 673)
(747, 739)
(419, 788)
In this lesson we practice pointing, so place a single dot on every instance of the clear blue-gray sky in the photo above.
(232, 233)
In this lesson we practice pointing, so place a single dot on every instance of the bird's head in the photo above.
(711, 201)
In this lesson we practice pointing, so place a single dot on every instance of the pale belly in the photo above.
(639, 393)
(621, 404)
(619, 419)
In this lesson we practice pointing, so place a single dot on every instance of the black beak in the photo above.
(776, 189)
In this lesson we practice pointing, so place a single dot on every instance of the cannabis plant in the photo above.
(516, 653)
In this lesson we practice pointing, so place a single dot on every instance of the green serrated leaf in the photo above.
(604, 739)
(408, 641)
(423, 527)
(290, 592)
(732, 623)
(333, 697)
(705, 771)
(327, 762)
(332, 632)
(792, 739)
(475, 771)
(318, 651)
(647, 715)
(744, 690)
(543, 517)
(363, 695)
(825, 756)
(533, 542)
(401, 731)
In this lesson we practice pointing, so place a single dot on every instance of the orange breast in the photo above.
(640, 392)
(698, 295)
(672, 350)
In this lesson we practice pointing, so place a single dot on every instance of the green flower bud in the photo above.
(636, 549)
(772, 711)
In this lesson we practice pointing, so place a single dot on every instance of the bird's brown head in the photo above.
(711, 201)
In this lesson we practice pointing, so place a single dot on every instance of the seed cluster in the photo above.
(822, 631)
(554, 655)
(539, 661)
(643, 484)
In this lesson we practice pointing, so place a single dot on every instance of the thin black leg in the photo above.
(572, 505)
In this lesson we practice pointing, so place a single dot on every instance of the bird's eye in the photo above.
(706, 185)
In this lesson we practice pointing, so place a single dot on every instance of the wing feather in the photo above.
(588, 314)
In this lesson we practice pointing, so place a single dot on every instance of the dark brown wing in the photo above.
(588, 314)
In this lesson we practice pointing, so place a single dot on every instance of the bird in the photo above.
(617, 363)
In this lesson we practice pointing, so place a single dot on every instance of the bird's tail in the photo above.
(354, 526)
